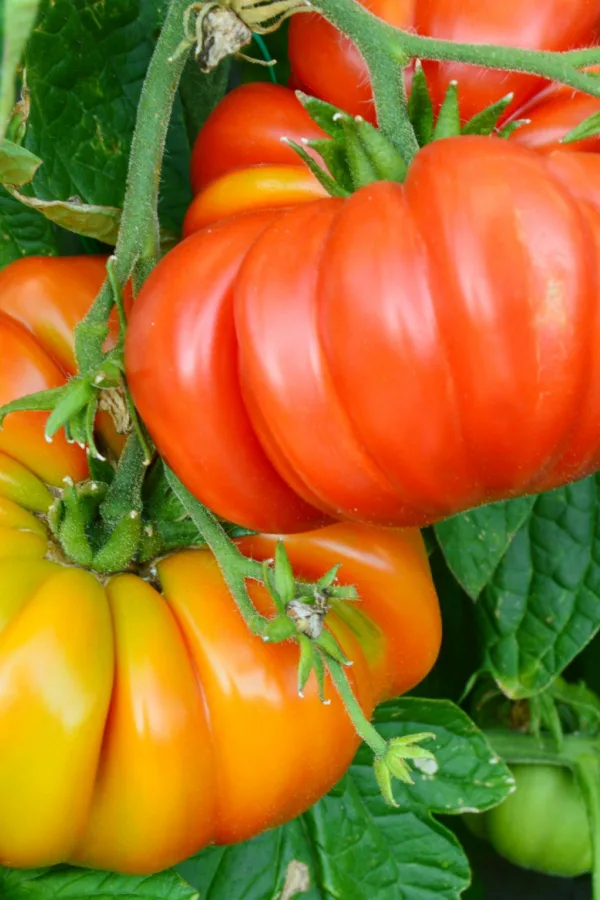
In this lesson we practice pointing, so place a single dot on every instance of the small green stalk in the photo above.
(233, 564)
(363, 727)
(138, 242)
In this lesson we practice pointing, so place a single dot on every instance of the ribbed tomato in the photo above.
(413, 351)
(329, 66)
(241, 161)
(140, 719)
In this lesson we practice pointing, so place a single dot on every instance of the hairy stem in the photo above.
(363, 727)
(138, 241)
(385, 67)
(234, 566)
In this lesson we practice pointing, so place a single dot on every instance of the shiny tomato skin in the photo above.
(328, 65)
(140, 722)
(554, 114)
(193, 354)
(137, 719)
(50, 295)
(27, 367)
(552, 25)
(257, 187)
(41, 301)
(378, 355)
(245, 129)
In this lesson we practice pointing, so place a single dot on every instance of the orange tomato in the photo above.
(139, 719)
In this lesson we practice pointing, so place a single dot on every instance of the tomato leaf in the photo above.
(86, 219)
(590, 127)
(475, 542)
(542, 605)
(17, 165)
(200, 93)
(351, 845)
(17, 21)
(23, 232)
(68, 883)
(85, 67)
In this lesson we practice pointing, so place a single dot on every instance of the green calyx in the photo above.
(356, 153)
(123, 517)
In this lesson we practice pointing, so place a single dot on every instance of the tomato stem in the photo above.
(235, 567)
(377, 44)
(363, 727)
(386, 51)
(138, 241)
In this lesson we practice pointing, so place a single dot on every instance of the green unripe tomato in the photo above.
(542, 826)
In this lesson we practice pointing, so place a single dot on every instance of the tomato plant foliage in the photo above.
(519, 580)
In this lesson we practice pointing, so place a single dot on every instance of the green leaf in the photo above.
(590, 127)
(99, 222)
(486, 120)
(351, 846)
(200, 93)
(469, 775)
(86, 62)
(420, 107)
(67, 883)
(475, 542)
(18, 20)
(460, 654)
(23, 232)
(17, 165)
(448, 120)
(542, 605)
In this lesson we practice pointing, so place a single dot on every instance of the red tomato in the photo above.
(136, 717)
(330, 67)
(245, 129)
(411, 352)
(552, 115)
(551, 25)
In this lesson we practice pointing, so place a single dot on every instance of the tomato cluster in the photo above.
(388, 359)
(140, 720)
(395, 357)
(326, 64)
